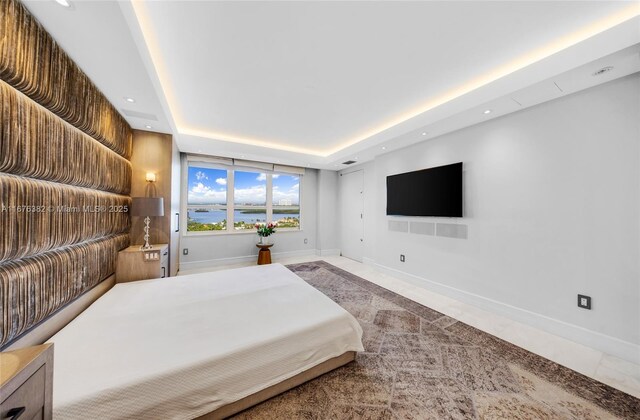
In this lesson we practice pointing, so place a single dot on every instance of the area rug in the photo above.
(421, 364)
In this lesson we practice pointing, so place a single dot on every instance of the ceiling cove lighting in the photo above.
(64, 3)
(519, 63)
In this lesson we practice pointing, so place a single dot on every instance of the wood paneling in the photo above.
(35, 287)
(32, 62)
(65, 177)
(157, 153)
(38, 216)
(36, 143)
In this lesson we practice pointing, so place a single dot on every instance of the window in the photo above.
(249, 199)
(223, 197)
(207, 199)
(286, 200)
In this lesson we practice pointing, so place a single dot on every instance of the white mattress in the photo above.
(180, 347)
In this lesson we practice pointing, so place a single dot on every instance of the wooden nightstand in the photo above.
(136, 264)
(26, 383)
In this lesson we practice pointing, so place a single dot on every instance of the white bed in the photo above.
(181, 347)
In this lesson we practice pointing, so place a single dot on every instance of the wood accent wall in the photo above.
(65, 177)
(157, 153)
(34, 64)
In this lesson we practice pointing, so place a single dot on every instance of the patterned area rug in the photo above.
(421, 364)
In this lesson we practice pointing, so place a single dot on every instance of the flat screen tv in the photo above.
(428, 192)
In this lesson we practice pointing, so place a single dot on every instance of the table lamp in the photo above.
(147, 206)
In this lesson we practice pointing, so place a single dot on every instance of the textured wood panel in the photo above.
(32, 62)
(33, 288)
(38, 216)
(37, 144)
(64, 177)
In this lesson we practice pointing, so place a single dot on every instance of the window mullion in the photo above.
(269, 196)
(230, 200)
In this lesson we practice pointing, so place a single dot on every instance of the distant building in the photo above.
(284, 202)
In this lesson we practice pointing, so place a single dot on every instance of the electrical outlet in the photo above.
(185, 251)
(584, 301)
(401, 257)
(151, 256)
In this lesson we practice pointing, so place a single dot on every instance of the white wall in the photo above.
(552, 205)
(215, 249)
(328, 242)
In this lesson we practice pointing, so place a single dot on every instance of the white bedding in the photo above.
(180, 347)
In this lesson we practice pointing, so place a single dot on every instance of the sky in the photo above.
(209, 186)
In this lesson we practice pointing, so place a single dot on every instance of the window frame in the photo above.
(230, 166)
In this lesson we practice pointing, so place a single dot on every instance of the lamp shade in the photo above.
(147, 206)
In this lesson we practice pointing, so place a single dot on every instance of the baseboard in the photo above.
(368, 261)
(327, 252)
(197, 265)
(593, 339)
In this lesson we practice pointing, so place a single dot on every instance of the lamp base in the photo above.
(146, 245)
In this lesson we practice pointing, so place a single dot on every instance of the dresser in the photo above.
(26, 383)
(137, 264)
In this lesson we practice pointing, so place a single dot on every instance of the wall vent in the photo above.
(398, 226)
(349, 162)
(602, 71)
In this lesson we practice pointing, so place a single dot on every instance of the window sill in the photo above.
(242, 232)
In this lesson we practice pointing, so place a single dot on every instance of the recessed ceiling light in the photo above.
(64, 3)
(355, 158)
(148, 126)
(127, 98)
(384, 147)
(242, 156)
(424, 133)
(602, 71)
(487, 111)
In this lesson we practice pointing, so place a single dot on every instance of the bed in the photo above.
(207, 344)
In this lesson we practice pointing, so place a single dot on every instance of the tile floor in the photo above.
(595, 364)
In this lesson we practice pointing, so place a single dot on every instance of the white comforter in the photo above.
(183, 346)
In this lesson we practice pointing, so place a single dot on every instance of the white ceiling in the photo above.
(96, 36)
(320, 82)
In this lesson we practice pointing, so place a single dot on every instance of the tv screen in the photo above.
(428, 192)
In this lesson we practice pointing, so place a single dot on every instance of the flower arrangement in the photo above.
(265, 230)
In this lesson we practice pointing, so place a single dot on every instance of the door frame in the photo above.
(359, 257)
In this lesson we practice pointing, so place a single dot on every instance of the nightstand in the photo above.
(137, 264)
(26, 383)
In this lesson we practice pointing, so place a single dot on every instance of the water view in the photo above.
(207, 200)
(206, 219)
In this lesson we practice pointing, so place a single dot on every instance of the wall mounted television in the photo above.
(427, 192)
